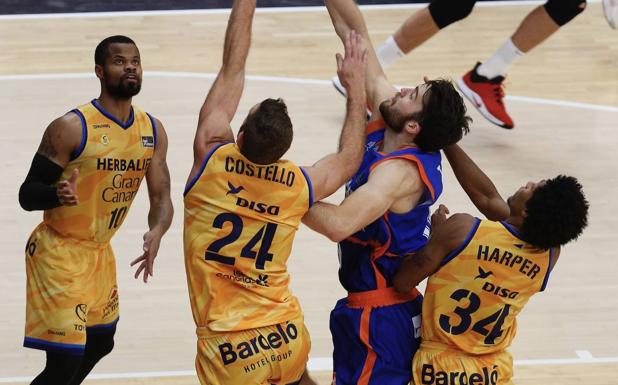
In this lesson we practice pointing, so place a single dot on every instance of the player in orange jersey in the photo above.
(85, 175)
(243, 205)
(482, 273)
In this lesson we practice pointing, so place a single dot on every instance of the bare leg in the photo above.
(416, 30)
(534, 29)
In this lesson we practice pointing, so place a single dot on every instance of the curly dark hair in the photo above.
(102, 48)
(443, 119)
(267, 132)
(557, 213)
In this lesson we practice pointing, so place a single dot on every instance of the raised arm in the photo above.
(222, 101)
(477, 184)
(39, 191)
(388, 183)
(161, 209)
(332, 171)
(346, 16)
(444, 239)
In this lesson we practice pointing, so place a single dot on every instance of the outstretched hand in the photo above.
(67, 190)
(152, 240)
(352, 68)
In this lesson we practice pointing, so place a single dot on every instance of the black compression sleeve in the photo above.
(37, 192)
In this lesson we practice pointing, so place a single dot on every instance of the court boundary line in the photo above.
(291, 80)
(322, 364)
(217, 11)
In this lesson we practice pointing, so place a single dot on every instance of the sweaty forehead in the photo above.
(122, 49)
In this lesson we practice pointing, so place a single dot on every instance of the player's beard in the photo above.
(121, 90)
(392, 118)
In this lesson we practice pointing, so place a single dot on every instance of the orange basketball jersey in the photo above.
(240, 222)
(472, 301)
(112, 161)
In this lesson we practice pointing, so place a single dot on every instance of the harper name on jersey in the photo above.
(472, 301)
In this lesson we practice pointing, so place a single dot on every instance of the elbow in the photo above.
(336, 235)
(23, 200)
(338, 231)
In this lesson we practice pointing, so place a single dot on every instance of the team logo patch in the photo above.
(262, 280)
(80, 311)
(112, 303)
(483, 274)
(244, 280)
(233, 190)
(148, 141)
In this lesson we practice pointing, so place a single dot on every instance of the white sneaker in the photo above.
(341, 89)
(610, 9)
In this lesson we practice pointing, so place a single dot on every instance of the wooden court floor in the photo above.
(564, 99)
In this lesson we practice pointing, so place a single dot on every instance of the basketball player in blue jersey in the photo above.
(385, 216)
(85, 175)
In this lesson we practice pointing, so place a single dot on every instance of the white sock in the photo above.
(389, 52)
(501, 60)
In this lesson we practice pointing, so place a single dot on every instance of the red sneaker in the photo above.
(487, 96)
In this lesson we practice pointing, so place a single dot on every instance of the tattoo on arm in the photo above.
(47, 148)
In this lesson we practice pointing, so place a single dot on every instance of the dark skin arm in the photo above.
(60, 139)
(477, 184)
(446, 236)
(161, 209)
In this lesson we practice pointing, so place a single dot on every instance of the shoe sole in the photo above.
(477, 102)
(339, 88)
(611, 18)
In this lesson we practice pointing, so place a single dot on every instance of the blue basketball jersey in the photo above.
(370, 257)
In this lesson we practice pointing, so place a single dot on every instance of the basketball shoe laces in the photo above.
(499, 92)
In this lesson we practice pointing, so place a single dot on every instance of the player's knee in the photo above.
(445, 12)
(563, 11)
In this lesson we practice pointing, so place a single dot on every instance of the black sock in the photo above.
(98, 345)
(59, 369)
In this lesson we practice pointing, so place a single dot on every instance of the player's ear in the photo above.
(98, 70)
(412, 127)
(239, 138)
